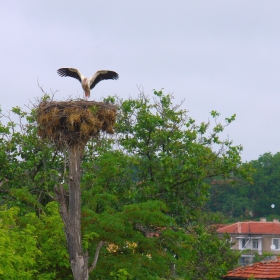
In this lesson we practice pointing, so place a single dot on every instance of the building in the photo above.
(253, 237)
(264, 270)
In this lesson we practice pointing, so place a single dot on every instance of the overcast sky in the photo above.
(217, 55)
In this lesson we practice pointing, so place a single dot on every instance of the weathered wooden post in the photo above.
(70, 125)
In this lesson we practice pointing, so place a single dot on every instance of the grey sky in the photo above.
(217, 55)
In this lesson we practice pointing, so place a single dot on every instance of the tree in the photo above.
(143, 191)
(266, 184)
(169, 159)
(252, 198)
(32, 246)
(231, 198)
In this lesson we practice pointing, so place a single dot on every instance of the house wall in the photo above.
(264, 243)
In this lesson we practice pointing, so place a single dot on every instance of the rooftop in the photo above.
(252, 227)
(269, 269)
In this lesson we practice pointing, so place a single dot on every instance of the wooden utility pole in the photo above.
(79, 259)
(70, 125)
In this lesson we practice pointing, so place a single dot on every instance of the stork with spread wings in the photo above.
(88, 83)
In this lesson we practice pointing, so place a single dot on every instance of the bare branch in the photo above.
(60, 193)
(93, 265)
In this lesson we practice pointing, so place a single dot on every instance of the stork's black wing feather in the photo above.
(70, 72)
(102, 75)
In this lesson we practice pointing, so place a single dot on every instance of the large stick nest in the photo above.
(74, 122)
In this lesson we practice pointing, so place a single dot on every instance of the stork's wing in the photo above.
(70, 72)
(102, 75)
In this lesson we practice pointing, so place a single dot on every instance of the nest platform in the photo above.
(74, 122)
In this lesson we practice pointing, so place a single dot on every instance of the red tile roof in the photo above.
(251, 228)
(260, 270)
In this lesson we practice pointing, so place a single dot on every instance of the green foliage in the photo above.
(18, 250)
(157, 181)
(239, 198)
(122, 274)
(263, 256)
(144, 193)
(266, 184)
(155, 134)
(30, 245)
(29, 167)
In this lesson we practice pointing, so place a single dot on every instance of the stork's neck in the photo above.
(85, 81)
(85, 85)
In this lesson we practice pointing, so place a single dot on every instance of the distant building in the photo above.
(267, 269)
(253, 237)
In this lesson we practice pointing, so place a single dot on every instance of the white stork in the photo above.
(88, 84)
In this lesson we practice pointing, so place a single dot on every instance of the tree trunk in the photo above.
(78, 259)
(71, 217)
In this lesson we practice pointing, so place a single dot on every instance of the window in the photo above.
(245, 260)
(255, 244)
(276, 243)
(244, 242)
